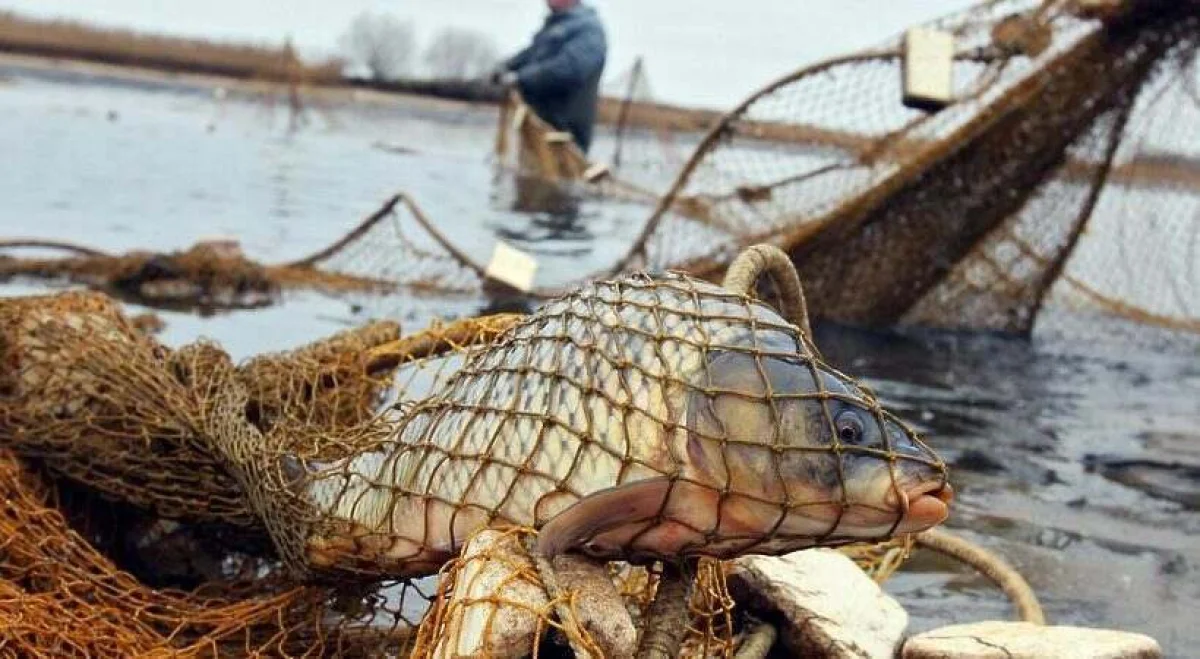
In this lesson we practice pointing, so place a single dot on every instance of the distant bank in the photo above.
(65, 40)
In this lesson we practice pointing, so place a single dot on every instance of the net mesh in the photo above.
(123, 467)
(1017, 187)
(1017, 198)
(61, 597)
(567, 405)
(202, 461)
(105, 405)
(1061, 177)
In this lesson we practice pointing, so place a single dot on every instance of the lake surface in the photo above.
(1076, 460)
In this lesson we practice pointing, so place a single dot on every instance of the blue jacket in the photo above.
(559, 73)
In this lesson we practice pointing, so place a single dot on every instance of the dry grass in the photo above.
(73, 40)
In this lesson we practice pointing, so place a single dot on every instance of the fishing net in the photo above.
(1061, 176)
(112, 409)
(104, 405)
(1059, 183)
(120, 428)
(328, 384)
(198, 447)
(970, 215)
(60, 597)
(570, 390)
(397, 245)
(208, 276)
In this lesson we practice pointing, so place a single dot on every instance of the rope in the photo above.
(667, 620)
(992, 566)
(758, 260)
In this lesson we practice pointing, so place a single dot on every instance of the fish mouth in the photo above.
(925, 506)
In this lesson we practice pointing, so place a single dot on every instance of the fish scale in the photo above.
(602, 351)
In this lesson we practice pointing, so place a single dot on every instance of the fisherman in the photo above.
(559, 73)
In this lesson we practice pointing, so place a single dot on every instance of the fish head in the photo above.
(759, 445)
(774, 451)
(800, 455)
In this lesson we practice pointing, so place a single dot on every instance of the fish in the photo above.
(642, 418)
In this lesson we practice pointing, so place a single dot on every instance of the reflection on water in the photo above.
(1076, 460)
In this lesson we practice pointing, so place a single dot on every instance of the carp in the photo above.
(637, 419)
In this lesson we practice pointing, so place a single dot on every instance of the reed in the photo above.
(75, 40)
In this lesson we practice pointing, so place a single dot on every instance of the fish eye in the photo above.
(849, 427)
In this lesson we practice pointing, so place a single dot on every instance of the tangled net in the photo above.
(61, 597)
(110, 423)
(101, 406)
(193, 450)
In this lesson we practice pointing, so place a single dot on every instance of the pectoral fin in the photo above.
(630, 504)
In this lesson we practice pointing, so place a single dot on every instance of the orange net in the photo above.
(108, 412)
(60, 597)
(202, 461)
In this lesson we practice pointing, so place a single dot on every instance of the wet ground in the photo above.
(1079, 460)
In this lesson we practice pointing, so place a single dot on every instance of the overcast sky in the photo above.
(710, 52)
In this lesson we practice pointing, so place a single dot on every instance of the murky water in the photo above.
(1079, 461)
(1042, 437)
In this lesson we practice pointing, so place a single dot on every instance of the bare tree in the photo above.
(381, 44)
(461, 54)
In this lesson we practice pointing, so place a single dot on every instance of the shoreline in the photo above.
(133, 74)
(432, 93)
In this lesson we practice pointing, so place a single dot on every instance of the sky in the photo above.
(697, 52)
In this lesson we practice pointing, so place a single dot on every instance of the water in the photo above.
(1024, 426)
(1075, 460)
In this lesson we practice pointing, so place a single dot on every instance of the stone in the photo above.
(828, 606)
(602, 612)
(1023, 640)
(493, 585)
(498, 603)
